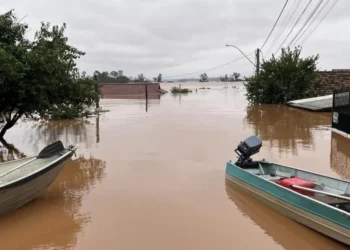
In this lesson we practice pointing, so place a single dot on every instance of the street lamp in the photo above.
(228, 45)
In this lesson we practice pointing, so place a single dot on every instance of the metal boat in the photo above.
(319, 202)
(23, 180)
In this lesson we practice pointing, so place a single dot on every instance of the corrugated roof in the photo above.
(322, 103)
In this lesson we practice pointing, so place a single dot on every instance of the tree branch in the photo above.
(12, 149)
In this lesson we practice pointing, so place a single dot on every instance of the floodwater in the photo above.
(151, 175)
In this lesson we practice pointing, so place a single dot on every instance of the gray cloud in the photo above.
(176, 37)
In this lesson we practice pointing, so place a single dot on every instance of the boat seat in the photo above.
(270, 178)
(283, 174)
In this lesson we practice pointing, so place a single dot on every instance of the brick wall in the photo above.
(109, 90)
(332, 80)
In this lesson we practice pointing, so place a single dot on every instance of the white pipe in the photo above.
(261, 169)
(322, 192)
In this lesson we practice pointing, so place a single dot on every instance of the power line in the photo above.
(297, 21)
(284, 6)
(322, 18)
(314, 20)
(212, 68)
(284, 25)
(311, 15)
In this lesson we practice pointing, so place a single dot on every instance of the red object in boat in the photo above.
(289, 182)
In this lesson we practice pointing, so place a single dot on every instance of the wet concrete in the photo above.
(151, 175)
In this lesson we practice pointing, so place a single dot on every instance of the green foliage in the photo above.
(159, 78)
(204, 77)
(282, 79)
(176, 90)
(84, 93)
(234, 77)
(140, 78)
(37, 76)
(112, 77)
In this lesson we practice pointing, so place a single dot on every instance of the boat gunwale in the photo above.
(290, 190)
(69, 151)
(307, 171)
(20, 159)
(267, 200)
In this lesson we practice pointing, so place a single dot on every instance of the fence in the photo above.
(341, 111)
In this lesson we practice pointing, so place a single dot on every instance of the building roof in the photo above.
(322, 103)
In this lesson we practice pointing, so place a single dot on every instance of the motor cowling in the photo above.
(247, 148)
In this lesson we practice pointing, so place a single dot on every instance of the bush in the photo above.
(176, 90)
(282, 79)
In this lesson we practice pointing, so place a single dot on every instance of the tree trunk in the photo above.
(9, 124)
(4, 129)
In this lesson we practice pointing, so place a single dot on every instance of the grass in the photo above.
(176, 90)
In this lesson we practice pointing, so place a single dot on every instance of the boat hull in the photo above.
(264, 191)
(15, 196)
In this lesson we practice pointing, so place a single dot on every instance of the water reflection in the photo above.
(55, 216)
(40, 134)
(284, 231)
(285, 127)
(98, 128)
(9, 152)
(340, 155)
(152, 96)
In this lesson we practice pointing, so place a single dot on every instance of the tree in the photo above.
(282, 79)
(37, 76)
(114, 74)
(140, 78)
(104, 77)
(203, 77)
(236, 76)
(84, 92)
(122, 79)
(112, 77)
(159, 78)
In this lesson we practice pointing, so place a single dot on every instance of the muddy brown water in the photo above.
(151, 175)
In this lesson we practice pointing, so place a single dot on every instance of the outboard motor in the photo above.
(246, 149)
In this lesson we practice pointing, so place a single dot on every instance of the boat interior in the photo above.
(15, 170)
(327, 185)
(328, 190)
(18, 169)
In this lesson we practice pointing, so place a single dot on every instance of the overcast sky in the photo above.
(176, 37)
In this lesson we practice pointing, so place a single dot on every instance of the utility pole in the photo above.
(257, 62)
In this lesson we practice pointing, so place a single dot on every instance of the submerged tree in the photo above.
(140, 78)
(159, 78)
(236, 76)
(204, 77)
(39, 76)
(282, 79)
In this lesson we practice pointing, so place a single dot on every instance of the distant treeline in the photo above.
(112, 77)
(233, 78)
(118, 77)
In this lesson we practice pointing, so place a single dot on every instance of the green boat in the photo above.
(319, 202)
